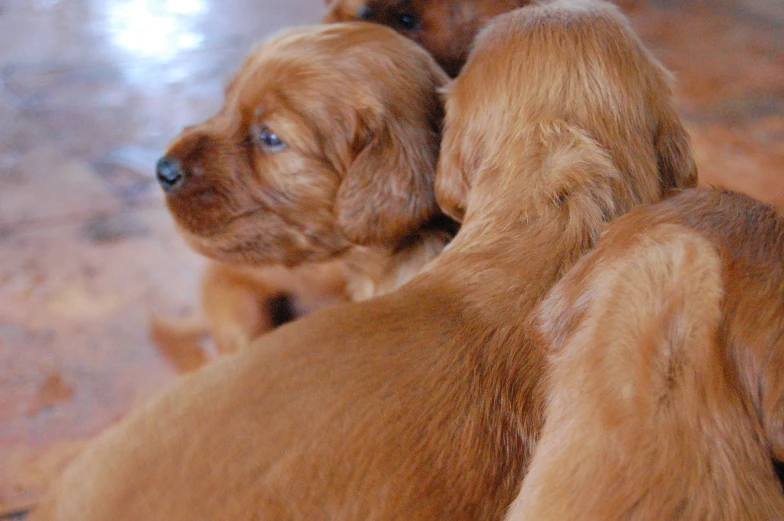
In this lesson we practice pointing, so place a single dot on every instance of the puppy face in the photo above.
(445, 28)
(328, 138)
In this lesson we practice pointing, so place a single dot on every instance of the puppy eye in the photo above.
(268, 141)
(408, 22)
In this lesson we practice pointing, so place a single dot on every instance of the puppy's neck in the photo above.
(501, 263)
(378, 270)
(530, 217)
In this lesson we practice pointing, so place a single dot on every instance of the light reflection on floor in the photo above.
(158, 30)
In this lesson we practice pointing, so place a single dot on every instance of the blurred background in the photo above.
(90, 93)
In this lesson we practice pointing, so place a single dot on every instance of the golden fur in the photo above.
(665, 396)
(446, 28)
(348, 198)
(424, 403)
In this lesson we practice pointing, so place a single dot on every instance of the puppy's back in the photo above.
(668, 350)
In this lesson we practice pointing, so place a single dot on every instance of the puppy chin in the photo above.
(231, 248)
(242, 244)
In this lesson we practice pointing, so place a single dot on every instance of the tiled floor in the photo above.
(91, 90)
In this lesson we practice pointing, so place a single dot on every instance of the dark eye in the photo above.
(408, 22)
(268, 140)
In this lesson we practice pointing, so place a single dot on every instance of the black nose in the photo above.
(169, 173)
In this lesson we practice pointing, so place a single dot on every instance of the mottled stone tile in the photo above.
(728, 60)
(47, 184)
(74, 342)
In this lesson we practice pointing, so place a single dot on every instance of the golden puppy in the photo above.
(324, 151)
(446, 28)
(667, 384)
(240, 303)
(424, 403)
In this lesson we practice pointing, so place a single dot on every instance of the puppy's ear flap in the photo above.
(673, 154)
(387, 192)
(452, 184)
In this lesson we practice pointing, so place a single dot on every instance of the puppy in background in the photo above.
(321, 163)
(666, 388)
(240, 303)
(446, 28)
(424, 403)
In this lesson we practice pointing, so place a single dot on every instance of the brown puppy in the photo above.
(240, 303)
(422, 404)
(325, 149)
(446, 28)
(667, 383)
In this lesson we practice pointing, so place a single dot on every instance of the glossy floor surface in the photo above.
(90, 92)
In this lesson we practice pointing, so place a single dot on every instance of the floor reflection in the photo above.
(155, 29)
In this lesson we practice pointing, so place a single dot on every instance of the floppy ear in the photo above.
(673, 154)
(387, 192)
(451, 185)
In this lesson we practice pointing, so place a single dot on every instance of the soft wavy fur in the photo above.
(667, 361)
(425, 403)
(357, 109)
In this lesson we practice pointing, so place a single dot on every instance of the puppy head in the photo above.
(567, 61)
(328, 137)
(445, 28)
